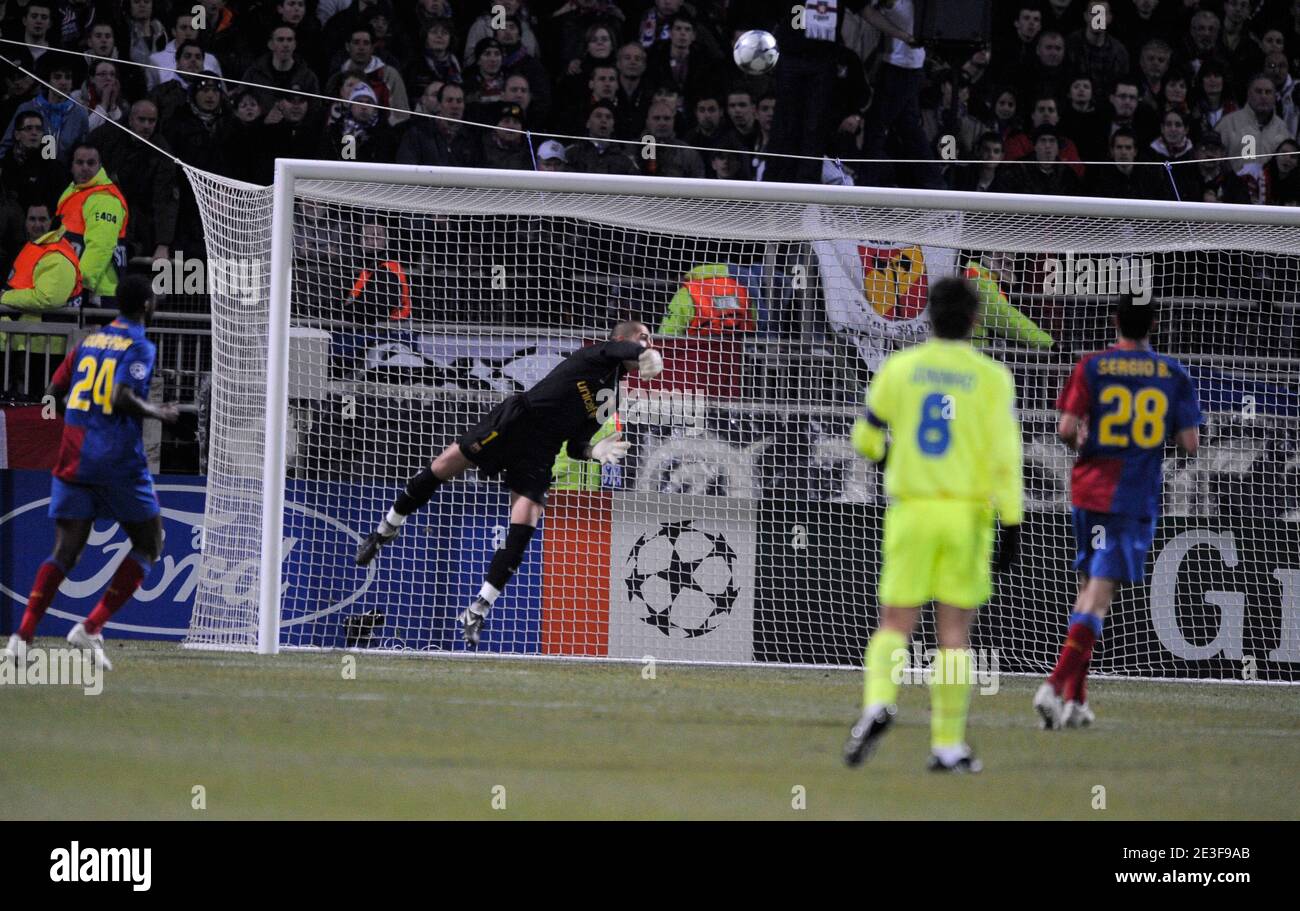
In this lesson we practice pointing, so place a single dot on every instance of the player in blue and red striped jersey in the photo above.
(1133, 399)
(102, 472)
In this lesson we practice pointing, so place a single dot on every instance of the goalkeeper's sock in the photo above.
(419, 490)
(950, 684)
(130, 573)
(505, 561)
(886, 655)
(1084, 630)
(48, 579)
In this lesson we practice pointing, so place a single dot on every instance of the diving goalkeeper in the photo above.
(952, 459)
(521, 437)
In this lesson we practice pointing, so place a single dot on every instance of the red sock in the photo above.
(1078, 643)
(1081, 678)
(125, 581)
(48, 579)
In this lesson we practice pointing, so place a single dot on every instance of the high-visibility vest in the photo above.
(403, 310)
(72, 217)
(721, 305)
(23, 275)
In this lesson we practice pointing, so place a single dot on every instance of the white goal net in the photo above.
(741, 527)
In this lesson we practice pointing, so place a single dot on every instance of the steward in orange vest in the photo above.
(45, 276)
(381, 293)
(709, 303)
(94, 214)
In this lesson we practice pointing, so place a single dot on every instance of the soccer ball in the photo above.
(755, 52)
(683, 579)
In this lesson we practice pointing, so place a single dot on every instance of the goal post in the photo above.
(379, 310)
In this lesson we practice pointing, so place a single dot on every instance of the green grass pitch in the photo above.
(412, 738)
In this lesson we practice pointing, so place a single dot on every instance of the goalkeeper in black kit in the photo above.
(521, 438)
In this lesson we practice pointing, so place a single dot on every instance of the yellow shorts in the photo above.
(936, 550)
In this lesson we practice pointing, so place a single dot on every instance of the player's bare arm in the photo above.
(126, 401)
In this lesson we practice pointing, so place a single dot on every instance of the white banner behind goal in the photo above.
(741, 528)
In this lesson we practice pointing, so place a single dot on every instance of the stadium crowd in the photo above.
(1148, 81)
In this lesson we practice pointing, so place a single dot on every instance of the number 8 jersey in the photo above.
(100, 445)
(1133, 400)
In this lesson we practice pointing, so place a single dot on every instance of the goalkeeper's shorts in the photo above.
(507, 440)
(936, 550)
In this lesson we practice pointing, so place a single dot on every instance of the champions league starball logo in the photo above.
(684, 579)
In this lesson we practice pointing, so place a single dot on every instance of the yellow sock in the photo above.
(950, 697)
(886, 652)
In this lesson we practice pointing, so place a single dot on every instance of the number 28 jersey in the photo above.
(1133, 400)
(101, 445)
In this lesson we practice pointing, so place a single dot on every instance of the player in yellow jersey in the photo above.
(941, 418)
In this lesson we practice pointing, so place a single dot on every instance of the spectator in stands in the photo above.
(174, 94)
(194, 132)
(1048, 73)
(1061, 15)
(987, 176)
(1006, 120)
(1081, 120)
(64, 119)
(482, 28)
(519, 92)
(486, 79)
(362, 133)
(1013, 54)
(1126, 112)
(632, 100)
(1048, 177)
(516, 59)
(462, 142)
(1257, 124)
(1177, 93)
(680, 62)
(728, 161)
(551, 156)
(384, 81)
(1022, 145)
(294, 127)
(281, 67)
(598, 49)
(1153, 65)
(505, 147)
(672, 157)
(1202, 41)
(437, 63)
(222, 36)
(37, 21)
(601, 86)
(102, 94)
(147, 180)
(145, 33)
(1278, 68)
(307, 32)
(102, 42)
(570, 32)
(20, 88)
(1172, 147)
(1282, 175)
(1217, 182)
(245, 140)
(742, 119)
(1240, 49)
(46, 275)
(596, 154)
(655, 24)
(390, 45)
(1143, 20)
(182, 30)
(1212, 102)
(93, 213)
(1093, 49)
(25, 172)
(1124, 179)
(944, 112)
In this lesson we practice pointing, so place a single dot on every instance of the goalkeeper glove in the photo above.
(1008, 548)
(650, 364)
(611, 449)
